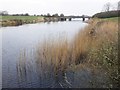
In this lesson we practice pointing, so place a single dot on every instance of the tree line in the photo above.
(107, 14)
(5, 13)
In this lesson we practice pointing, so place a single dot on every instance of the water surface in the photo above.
(21, 41)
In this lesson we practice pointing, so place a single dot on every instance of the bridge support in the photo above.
(70, 19)
(65, 19)
(62, 19)
(83, 18)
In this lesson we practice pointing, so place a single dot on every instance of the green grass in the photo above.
(112, 19)
(29, 18)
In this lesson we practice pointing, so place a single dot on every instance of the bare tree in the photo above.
(107, 7)
(114, 6)
(119, 5)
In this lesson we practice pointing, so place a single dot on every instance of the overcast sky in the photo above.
(67, 7)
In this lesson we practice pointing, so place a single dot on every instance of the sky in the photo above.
(67, 7)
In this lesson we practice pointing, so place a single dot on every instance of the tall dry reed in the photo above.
(94, 46)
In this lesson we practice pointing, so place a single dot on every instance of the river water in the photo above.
(20, 39)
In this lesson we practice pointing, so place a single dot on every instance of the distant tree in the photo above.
(21, 14)
(44, 15)
(118, 5)
(48, 15)
(55, 15)
(114, 6)
(62, 15)
(107, 7)
(41, 15)
(17, 14)
(26, 14)
(107, 14)
(4, 13)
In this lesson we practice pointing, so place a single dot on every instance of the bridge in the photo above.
(73, 17)
(64, 18)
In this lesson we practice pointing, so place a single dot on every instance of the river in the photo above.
(25, 38)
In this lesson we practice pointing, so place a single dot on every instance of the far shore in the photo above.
(20, 20)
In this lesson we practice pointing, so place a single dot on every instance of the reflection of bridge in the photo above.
(64, 18)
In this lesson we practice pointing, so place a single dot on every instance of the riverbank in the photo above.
(94, 49)
(19, 20)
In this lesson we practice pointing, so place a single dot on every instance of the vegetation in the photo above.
(19, 20)
(95, 47)
(104, 51)
(19, 17)
(108, 14)
(114, 19)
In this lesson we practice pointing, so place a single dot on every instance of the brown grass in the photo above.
(89, 45)
(95, 47)
(54, 55)
(103, 55)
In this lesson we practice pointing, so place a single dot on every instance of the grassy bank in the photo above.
(19, 17)
(95, 47)
(114, 19)
(19, 20)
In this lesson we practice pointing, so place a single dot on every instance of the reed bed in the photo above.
(94, 47)
(54, 55)
(103, 55)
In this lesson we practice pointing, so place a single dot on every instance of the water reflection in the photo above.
(22, 68)
(36, 68)
(46, 72)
